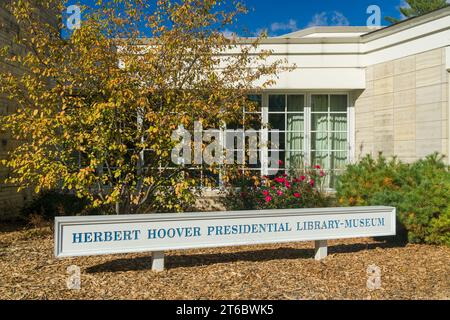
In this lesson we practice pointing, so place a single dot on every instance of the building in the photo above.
(355, 91)
(359, 91)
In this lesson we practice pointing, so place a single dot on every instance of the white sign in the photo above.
(97, 235)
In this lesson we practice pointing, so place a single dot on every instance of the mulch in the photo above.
(287, 271)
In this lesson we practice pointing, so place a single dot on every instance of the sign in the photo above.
(98, 235)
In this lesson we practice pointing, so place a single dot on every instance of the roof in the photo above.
(317, 32)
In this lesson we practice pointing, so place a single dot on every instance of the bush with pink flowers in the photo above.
(281, 192)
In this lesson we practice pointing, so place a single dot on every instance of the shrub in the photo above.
(281, 192)
(50, 204)
(420, 192)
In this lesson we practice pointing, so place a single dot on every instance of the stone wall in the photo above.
(404, 110)
(10, 199)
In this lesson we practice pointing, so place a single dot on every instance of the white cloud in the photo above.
(338, 19)
(334, 18)
(319, 19)
(291, 26)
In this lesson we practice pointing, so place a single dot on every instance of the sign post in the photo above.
(157, 233)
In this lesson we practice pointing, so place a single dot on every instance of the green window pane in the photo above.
(295, 160)
(277, 103)
(296, 103)
(295, 140)
(338, 103)
(319, 103)
(319, 122)
(333, 178)
(338, 160)
(320, 158)
(338, 122)
(319, 141)
(339, 141)
(277, 121)
(295, 122)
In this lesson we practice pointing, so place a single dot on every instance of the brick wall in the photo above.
(404, 110)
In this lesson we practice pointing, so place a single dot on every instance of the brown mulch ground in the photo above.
(29, 271)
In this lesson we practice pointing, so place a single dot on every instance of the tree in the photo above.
(414, 8)
(97, 109)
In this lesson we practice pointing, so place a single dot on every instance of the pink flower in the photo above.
(284, 175)
(302, 178)
(287, 184)
(297, 195)
(273, 188)
(318, 167)
(312, 182)
(280, 193)
(280, 180)
(268, 199)
(280, 163)
(322, 173)
(266, 193)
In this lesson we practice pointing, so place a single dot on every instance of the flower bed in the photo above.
(282, 192)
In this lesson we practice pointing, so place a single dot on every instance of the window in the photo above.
(329, 133)
(286, 113)
(252, 120)
(321, 117)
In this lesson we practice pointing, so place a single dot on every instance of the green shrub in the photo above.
(420, 192)
(281, 192)
(50, 204)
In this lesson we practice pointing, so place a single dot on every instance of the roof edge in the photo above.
(406, 24)
(325, 29)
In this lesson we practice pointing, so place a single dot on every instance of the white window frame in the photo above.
(308, 121)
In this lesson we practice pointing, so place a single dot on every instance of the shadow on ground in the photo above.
(196, 260)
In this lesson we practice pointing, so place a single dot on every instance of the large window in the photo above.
(329, 133)
(313, 129)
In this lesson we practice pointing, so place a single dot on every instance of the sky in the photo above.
(279, 17)
(284, 16)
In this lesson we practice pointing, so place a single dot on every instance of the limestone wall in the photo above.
(10, 199)
(404, 110)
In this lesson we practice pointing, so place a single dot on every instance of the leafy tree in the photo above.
(96, 110)
(416, 8)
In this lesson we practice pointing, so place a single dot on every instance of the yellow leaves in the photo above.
(85, 117)
(180, 188)
(387, 182)
(84, 173)
(153, 130)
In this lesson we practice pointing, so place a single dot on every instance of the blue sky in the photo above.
(284, 16)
